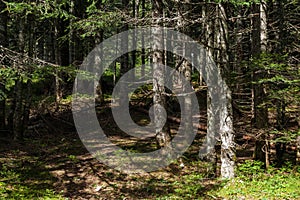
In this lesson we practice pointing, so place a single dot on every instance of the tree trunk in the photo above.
(17, 121)
(209, 152)
(124, 58)
(228, 154)
(71, 34)
(280, 103)
(28, 84)
(3, 42)
(134, 42)
(298, 150)
(226, 128)
(143, 56)
(259, 45)
(18, 112)
(187, 72)
(163, 137)
(98, 83)
(57, 56)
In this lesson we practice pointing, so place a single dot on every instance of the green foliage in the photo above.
(12, 185)
(22, 8)
(250, 169)
(37, 75)
(283, 79)
(238, 2)
(285, 136)
(96, 21)
(274, 184)
(189, 187)
(55, 9)
(8, 78)
(42, 9)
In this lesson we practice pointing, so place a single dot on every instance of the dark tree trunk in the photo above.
(124, 58)
(3, 42)
(17, 116)
(58, 61)
(143, 56)
(18, 112)
(260, 112)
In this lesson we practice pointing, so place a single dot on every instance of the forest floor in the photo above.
(52, 163)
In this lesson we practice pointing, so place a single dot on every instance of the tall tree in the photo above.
(226, 118)
(259, 46)
(143, 56)
(125, 57)
(3, 42)
(162, 132)
(209, 153)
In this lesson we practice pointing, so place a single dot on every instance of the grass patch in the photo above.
(191, 186)
(255, 183)
(24, 183)
(252, 182)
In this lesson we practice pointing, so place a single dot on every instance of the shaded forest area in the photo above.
(255, 46)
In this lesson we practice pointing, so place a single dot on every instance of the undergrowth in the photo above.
(20, 182)
(252, 182)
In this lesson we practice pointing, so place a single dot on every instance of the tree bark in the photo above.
(298, 150)
(124, 58)
(187, 72)
(226, 128)
(209, 152)
(3, 42)
(28, 84)
(98, 83)
(58, 61)
(17, 115)
(143, 54)
(259, 46)
(163, 137)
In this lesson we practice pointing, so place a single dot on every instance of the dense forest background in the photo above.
(255, 44)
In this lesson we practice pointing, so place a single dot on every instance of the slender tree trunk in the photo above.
(209, 153)
(71, 34)
(259, 45)
(280, 103)
(188, 124)
(298, 151)
(28, 84)
(143, 56)
(163, 137)
(226, 128)
(3, 42)
(57, 55)
(17, 117)
(17, 124)
(98, 83)
(124, 58)
(27, 105)
(133, 53)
